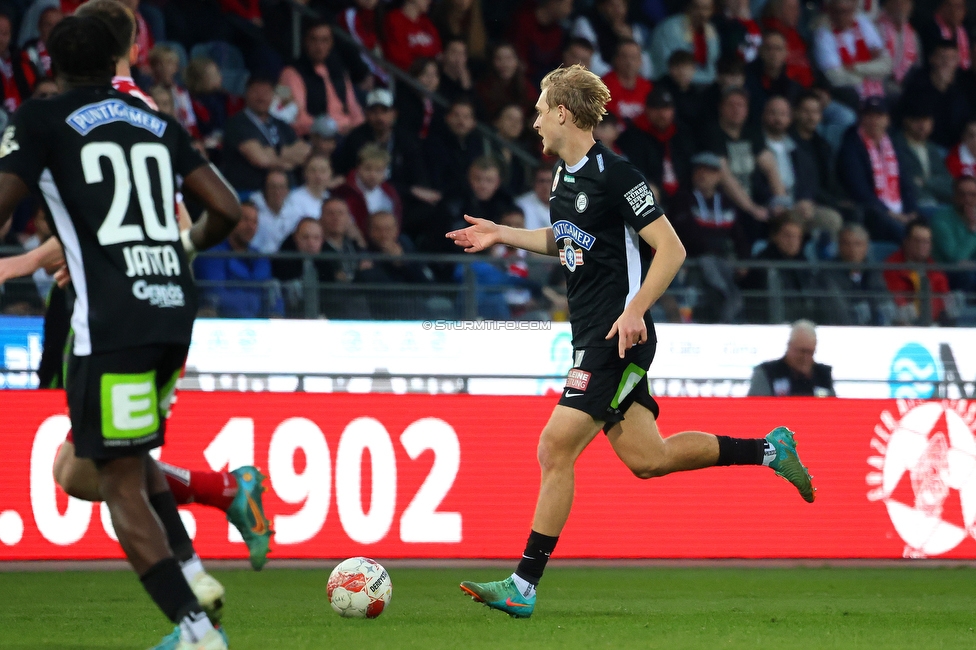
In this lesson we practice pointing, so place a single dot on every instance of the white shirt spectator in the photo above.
(306, 203)
(536, 212)
(376, 199)
(857, 65)
(274, 228)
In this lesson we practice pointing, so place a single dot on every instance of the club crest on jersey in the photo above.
(581, 202)
(92, 116)
(570, 256)
(8, 145)
(640, 198)
(555, 178)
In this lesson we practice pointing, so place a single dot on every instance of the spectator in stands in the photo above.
(277, 216)
(783, 16)
(307, 239)
(366, 189)
(255, 142)
(462, 19)
(308, 198)
(535, 202)
(906, 285)
(456, 78)
(537, 33)
(608, 132)
(165, 65)
(505, 83)
(36, 49)
(510, 127)
(703, 216)
(410, 34)
(659, 146)
(163, 98)
(961, 161)
(212, 105)
(222, 278)
(954, 234)
(324, 136)
(738, 32)
(690, 31)
(860, 294)
(363, 21)
(320, 83)
(337, 223)
(901, 41)
(16, 70)
(949, 24)
(483, 196)
(766, 76)
(686, 94)
(923, 159)
(850, 52)
(940, 84)
(417, 113)
(796, 374)
(807, 115)
(628, 90)
(451, 153)
(730, 74)
(150, 27)
(606, 26)
(797, 172)
(578, 51)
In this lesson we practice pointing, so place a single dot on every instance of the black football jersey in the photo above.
(597, 212)
(106, 167)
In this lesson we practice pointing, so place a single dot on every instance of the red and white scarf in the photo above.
(884, 168)
(854, 49)
(961, 39)
(901, 43)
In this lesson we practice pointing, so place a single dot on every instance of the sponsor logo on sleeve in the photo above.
(8, 144)
(640, 198)
(599, 161)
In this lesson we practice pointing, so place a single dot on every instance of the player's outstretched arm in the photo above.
(223, 209)
(47, 255)
(483, 234)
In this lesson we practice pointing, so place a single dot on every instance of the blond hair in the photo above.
(582, 93)
(373, 152)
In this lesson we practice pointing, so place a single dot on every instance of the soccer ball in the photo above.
(359, 588)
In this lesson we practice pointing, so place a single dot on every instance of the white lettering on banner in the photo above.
(56, 528)
(360, 435)
(313, 485)
(231, 448)
(421, 522)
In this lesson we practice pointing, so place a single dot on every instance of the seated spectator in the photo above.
(277, 216)
(606, 26)
(409, 34)
(363, 21)
(455, 78)
(954, 234)
(416, 112)
(337, 226)
(16, 69)
(162, 99)
(690, 31)
(224, 281)
(36, 49)
(860, 294)
(535, 202)
(628, 90)
(766, 76)
(537, 33)
(320, 84)
(578, 51)
(850, 52)
(212, 105)
(796, 374)
(793, 292)
(961, 160)
(510, 127)
(482, 197)
(686, 94)
(940, 85)
(525, 299)
(307, 199)
(923, 159)
(901, 41)
(906, 284)
(740, 35)
(807, 116)
(255, 142)
(324, 137)
(730, 74)
(783, 16)
(463, 19)
(870, 170)
(450, 154)
(165, 65)
(703, 216)
(608, 132)
(798, 172)
(366, 191)
(505, 83)
(948, 24)
(660, 146)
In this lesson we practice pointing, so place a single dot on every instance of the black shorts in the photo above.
(604, 385)
(119, 401)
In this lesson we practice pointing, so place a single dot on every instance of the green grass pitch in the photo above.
(910, 607)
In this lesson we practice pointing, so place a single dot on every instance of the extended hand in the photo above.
(477, 237)
(631, 330)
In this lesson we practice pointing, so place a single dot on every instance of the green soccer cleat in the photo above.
(246, 512)
(787, 463)
(502, 595)
(212, 641)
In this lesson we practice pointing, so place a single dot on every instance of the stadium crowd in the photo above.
(771, 130)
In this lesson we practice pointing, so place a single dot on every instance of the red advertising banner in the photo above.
(416, 476)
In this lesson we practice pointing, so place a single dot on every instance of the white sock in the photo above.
(526, 588)
(769, 453)
(194, 626)
(192, 567)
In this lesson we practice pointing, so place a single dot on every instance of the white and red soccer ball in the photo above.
(359, 588)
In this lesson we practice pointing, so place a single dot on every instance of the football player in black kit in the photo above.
(105, 166)
(605, 224)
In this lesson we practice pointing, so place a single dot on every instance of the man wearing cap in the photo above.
(704, 217)
(924, 164)
(870, 170)
(324, 136)
(659, 146)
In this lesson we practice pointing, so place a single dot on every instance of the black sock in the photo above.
(537, 552)
(165, 506)
(741, 451)
(168, 588)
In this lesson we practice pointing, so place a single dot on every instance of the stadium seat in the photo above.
(229, 59)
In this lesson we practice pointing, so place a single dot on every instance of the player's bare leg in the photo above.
(76, 476)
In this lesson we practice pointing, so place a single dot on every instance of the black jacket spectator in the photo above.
(776, 378)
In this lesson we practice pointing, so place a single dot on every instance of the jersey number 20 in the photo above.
(112, 230)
